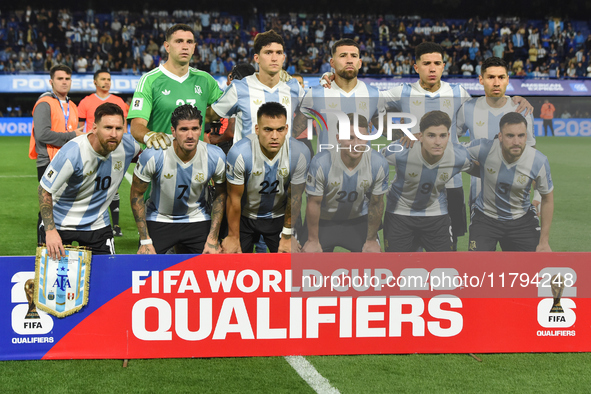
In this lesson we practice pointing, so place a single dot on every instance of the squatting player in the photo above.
(176, 212)
(79, 184)
(417, 208)
(266, 175)
(345, 189)
(503, 212)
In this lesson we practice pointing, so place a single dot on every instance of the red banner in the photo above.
(273, 305)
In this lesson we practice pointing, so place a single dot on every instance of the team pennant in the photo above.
(61, 286)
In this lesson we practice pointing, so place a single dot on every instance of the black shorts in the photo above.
(408, 233)
(348, 234)
(98, 241)
(456, 208)
(252, 229)
(190, 237)
(519, 235)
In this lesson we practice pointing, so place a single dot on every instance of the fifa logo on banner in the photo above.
(26, 319)
(556, 311)
(344, 125)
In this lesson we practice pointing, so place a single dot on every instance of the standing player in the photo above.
(102, 82)
(503, 212)
(224, 137)
(176, 212)
(170, 85)
(348, 94)
(244, 97)
(266, 174)
(417, 208)
(80, 182)
(345, 189)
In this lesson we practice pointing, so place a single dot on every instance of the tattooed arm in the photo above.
(292, 214)
(312, 244)
(300, 124)
(231, 244)
(53, 241)
(376, 211)
(138, 207)
(217, 213)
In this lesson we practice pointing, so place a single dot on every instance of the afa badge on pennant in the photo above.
(61, 286)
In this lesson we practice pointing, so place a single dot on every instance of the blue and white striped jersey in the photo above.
(419, 187)
(346, 192)
(363, 100)
(83, 183)
(178, 191)
(266, 181)
(506, 187)
(412, 98)
(244, 97)
(483, 122)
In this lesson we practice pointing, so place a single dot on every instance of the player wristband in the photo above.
(286, 231)
(146, 241)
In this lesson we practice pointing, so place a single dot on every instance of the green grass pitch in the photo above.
(570, 163)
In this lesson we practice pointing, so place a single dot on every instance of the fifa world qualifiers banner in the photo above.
(307, 304)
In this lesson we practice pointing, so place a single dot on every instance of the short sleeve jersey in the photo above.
(266, 181)
(178, 192)
(244, 97)
(412, 98)
(346, 193)
(159, 92)
(482, 120)
(83, 182)
(90, 103)
(506, 186)
(419, 187)
(363, 99)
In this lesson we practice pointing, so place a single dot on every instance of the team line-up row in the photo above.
(256, 186)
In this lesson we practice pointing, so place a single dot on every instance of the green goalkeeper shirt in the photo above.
(159, 92)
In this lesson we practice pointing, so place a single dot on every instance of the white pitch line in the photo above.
(17, 176)
(307, 372)
(128, 177)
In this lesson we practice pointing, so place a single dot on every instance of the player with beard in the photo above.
(503, 212)
(80, 182)
(431, 93)
(348, 94)
(481, 115)
(176, 212)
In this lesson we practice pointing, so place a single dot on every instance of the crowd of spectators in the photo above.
(132, 43)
